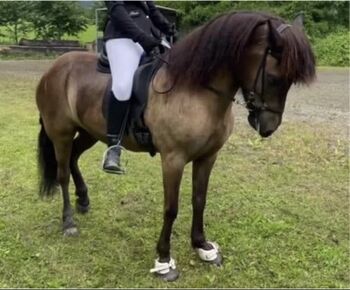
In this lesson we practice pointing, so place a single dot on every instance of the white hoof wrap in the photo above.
(208, 255)
(163, 268)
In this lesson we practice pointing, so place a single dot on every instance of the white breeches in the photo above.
(124, 57)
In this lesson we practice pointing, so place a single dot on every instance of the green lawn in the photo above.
(278, 208)
(89, 35)
(86, 36)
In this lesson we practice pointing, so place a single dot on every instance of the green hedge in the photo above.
(333, 50)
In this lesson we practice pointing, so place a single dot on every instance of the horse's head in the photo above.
(254, 51)
(277, 55)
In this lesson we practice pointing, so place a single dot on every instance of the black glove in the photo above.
(149, 43)
(170, 29)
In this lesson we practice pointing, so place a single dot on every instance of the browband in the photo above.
(282, 27)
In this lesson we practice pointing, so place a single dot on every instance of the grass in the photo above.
(279, 209)
(86, 36)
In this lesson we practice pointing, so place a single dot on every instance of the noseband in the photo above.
(254, 101)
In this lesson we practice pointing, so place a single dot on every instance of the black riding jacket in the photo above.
(137, 20)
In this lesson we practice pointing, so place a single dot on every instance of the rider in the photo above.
(129, 33)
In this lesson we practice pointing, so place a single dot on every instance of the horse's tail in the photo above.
(47, 163)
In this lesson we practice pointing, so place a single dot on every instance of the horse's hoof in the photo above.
(212, 256)
(218, 260)
(171, 276)
(82, 208)
(166, 270)
(71, 232)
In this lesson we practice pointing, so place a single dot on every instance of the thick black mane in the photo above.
(222, 41)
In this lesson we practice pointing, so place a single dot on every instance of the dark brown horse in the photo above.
(189, 123)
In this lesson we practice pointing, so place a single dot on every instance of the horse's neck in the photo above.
(216, 95)
(224, 86)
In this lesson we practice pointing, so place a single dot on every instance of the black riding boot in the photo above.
(116, 121)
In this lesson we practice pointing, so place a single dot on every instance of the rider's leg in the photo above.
(124, 57)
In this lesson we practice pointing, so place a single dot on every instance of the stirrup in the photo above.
(122, 169)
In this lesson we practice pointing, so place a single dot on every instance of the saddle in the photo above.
(143, 76)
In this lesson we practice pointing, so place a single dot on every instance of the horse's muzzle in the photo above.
(263, 124)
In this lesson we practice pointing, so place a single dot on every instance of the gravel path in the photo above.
(324, 102)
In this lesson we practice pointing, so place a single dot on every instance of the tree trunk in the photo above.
(16, 33)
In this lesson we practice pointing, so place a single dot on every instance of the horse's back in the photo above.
(62, 65)
(75, 56)
(70, 89)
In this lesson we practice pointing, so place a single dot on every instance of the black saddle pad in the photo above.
(102, 62)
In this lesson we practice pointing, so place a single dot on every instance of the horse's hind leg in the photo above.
(63, 148)
(200, 178)
(81, 143)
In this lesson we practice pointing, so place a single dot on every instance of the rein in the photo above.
(254, 101)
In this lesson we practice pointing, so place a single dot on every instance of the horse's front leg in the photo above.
(172, 166)
(207, 251)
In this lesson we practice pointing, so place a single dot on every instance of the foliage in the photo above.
(321, 17)
(326, 22)
(14, 16)
(86, 36)
(48, 19)
(333, 49)
(102, 14)
(53, 19)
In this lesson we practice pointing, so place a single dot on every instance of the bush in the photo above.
(333, 50)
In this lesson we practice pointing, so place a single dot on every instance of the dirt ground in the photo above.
(325, 102)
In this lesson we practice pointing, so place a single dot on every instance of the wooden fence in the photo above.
(47, 46)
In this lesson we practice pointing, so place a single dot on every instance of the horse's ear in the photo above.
(275, 39)
(299, 20)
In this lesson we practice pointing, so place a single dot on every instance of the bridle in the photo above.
(254, 102)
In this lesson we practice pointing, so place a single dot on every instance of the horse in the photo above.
(188, 112)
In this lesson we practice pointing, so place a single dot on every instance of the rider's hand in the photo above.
(149, 44)
(171, 29)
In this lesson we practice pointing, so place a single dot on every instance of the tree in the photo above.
(53, 19)
(321, 17)
(102, 14)
(14, 15)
